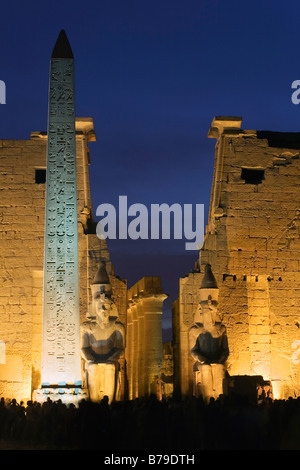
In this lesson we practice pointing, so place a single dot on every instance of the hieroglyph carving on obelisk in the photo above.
(61, 319)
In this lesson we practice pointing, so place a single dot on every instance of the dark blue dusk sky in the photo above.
(153, 74)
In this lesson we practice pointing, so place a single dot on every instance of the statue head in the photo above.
(101, 307)
(207, 312)
(102, 304)
(209, 286)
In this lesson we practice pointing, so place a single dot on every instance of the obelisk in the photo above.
(61, 363)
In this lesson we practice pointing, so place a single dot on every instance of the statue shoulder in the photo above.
(196, 330)
(222, 328)
(120, 327)
(88, 326)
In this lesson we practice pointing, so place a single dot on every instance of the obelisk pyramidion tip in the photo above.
(62, 48)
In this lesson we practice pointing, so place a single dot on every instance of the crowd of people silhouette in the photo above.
(149, 424)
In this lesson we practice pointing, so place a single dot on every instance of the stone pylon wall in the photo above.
(22, 217)
(252, 243)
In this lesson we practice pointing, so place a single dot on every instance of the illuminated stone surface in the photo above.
(144, 335)
(167, 370)
(22, 214)
(61, 317)
(102, 341)
(252, 243)
(208, 341)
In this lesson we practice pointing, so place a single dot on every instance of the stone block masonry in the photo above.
(22, 219)
(252, 243)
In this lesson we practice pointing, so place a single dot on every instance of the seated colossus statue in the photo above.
(102, 341)
(208, 341)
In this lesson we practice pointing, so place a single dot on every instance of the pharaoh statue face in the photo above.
(209, 311)
(102, 305)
